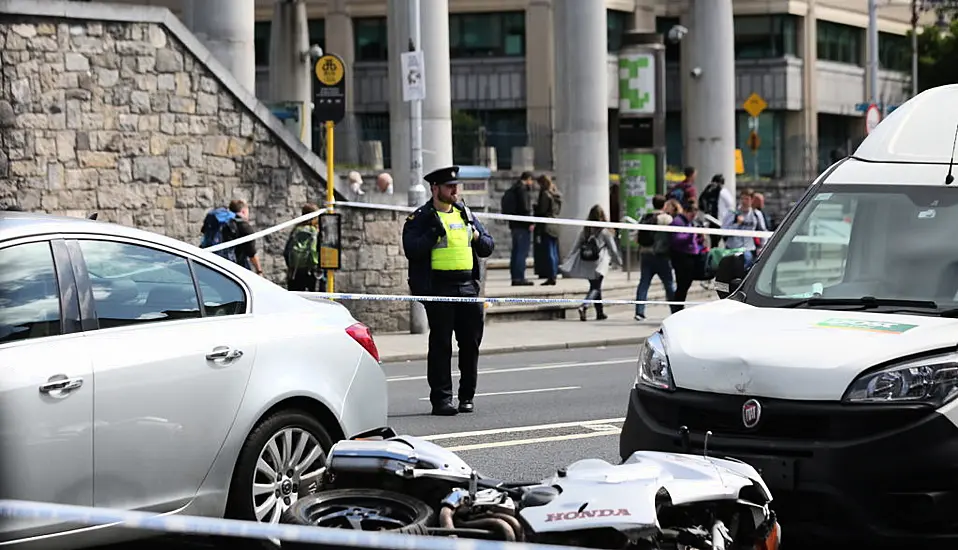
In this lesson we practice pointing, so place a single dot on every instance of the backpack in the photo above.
(709, 200)
(647, 238)
(589, 249)
(302, 251)
(678, 193)
(219, 226)
(510, 201)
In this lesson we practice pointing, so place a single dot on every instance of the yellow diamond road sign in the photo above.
(754, 105)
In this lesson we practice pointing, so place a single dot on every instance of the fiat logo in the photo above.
(751, 413)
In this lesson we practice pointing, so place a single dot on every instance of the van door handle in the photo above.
(224, 353)
(60, 385)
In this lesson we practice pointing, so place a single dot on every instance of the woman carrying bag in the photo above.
(592, 254)
(684, 254)
(546, 236)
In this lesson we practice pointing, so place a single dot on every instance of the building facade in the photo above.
(806, 59)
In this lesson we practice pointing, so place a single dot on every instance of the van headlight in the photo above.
(932, 380)
(654, 370)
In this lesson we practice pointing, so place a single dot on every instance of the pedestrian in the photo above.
(224, 224)
(684, 251)
(684, 191)
(384, 182)
(546, 245)
(591, 256)
(302, 253)
(654, 261)
(517, 201)
(745, 218)
(715, 201)
(443, 242)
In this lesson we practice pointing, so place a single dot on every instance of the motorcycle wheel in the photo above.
(359, 509)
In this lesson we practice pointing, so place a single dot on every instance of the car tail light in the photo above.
(364, 337)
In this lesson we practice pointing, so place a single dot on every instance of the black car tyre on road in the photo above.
(361, 509)
(281, 454)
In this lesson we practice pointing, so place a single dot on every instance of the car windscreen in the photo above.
(890, 242)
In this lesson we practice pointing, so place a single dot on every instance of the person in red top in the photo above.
(684, 191)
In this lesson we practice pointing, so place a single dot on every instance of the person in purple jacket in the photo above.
(685, 247)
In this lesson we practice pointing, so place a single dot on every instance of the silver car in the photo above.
(138, 372)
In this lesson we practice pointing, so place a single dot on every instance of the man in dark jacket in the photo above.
(518, 202)
(443, 242)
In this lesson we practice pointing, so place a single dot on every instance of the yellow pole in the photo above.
(330, 197)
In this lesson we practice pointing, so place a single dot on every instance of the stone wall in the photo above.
(120, 110)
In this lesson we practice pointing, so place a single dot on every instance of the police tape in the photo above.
(267, 231)
(484, 300)
(578, 223)
(195, 525)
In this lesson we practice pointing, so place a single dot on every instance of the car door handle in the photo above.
(224, 353)
(60, 385)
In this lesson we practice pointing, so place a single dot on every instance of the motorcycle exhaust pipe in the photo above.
(481, 534)
(445, 518)
(493, 524)
(514, 523)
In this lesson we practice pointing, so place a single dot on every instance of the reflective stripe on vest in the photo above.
(453, 252)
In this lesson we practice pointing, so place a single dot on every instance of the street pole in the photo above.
(914, 48)
(417, 192)
(873, 52)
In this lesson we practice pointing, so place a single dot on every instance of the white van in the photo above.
(833, 365)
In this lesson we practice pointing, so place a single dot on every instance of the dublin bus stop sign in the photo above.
(330, 92)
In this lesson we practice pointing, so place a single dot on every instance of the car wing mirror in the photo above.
(729, 274)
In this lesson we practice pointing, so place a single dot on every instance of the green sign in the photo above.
(637, 184)
(636, 83)
(870, 326)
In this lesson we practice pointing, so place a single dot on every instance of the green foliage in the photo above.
(465, 137)
(938, 54)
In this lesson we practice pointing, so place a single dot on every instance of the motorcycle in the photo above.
(379, 481)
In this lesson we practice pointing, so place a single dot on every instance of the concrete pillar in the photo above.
(437, 107)
(689, 112)
(810, 83)
(340, 41)
(581, 109)
(713, 92)
(400, 149)
(540, 79)
(290, 72)
(226, 28)
(644, 16)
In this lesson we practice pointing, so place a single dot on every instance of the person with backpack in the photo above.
(592, 254)
(716, 200)
(745, 218)
(225, 224)
(517, 201)
(302, 254)
(684, 191)
(654, 247)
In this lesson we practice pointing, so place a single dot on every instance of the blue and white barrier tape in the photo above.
(483, 299)
(267, 231)
(194, 525)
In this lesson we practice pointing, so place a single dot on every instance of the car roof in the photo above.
(14, 225)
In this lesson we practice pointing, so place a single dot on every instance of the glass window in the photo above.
(662, 26)
(617, 23)
(894, 52)
(317, 32)
(262, 31)
(221, 295)
(29, 294)
(839, 43)
(135, 284)
(499, 34)
(765, 36)
(372, 42)
(884, 241)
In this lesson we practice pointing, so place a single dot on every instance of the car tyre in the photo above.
(277, 436)
(410, 515)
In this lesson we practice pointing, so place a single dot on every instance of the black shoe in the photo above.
(601, 317)
(444, 409)
(582, 313)
(466, 406)
(549, 282)
(524, 282)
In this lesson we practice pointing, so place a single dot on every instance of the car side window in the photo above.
(134, 284)
(221, 295)
(29, 293)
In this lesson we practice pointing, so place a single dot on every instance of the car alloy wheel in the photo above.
(289, 465)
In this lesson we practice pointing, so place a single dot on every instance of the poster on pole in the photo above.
(638, 182)
(637, 84)
(414, 78)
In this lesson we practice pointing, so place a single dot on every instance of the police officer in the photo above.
(443, 242)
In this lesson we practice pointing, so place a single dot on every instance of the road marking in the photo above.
(516, 429)
(515, 442)
(602, 427)
(523, 369)
(514, 392)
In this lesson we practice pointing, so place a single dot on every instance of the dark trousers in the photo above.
(521, 239)
(302, 281)
(595, 293)
(684, 266)
(652, 265)
(466, 321)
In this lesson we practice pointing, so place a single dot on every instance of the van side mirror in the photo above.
(729, 274)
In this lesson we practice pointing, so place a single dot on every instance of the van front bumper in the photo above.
(840, 473)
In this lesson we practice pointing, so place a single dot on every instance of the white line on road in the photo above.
(514, 392)
(522, 369)
(515, 429)
(515, 442)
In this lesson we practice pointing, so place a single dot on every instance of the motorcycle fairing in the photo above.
(595, 494)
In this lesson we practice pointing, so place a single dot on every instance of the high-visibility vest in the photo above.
(453, 252)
